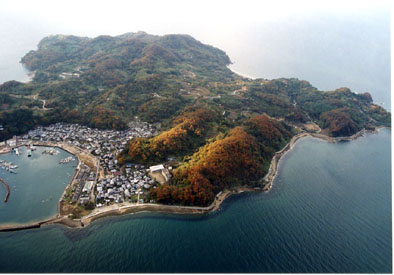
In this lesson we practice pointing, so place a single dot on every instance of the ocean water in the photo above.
(329, 211)
(329, 48)
(37, 186)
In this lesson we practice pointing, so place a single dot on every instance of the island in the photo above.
(160, 123)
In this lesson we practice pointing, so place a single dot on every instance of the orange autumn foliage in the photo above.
(187, 132)
(225, 162)
(237, 158)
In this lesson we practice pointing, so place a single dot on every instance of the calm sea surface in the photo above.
(328, 49)
(37, 186)
(330, 206)
(329, 211)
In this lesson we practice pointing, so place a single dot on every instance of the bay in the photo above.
(37, 186)
(330, 206)
(327, 212)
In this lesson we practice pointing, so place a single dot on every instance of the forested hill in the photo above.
(220, 129)
(109, 61)
(104, 82)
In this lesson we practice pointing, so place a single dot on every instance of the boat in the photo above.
(17, 151)
(51, 151)
(29, 153)
(66, 160)
(32, 147)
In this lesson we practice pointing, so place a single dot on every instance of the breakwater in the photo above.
(53, 220)
(115, 210)
(7, 189)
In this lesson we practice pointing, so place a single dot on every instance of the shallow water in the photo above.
(37, 186)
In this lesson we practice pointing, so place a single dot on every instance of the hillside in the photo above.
(219, 129)
(240, 157)
(105, 81)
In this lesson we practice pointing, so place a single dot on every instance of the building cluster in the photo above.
(83, 185)
(123, 187)
(105, 145)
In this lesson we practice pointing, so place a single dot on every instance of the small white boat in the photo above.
(17, 151)
(29, 153)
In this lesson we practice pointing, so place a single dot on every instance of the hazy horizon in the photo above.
(330, 44)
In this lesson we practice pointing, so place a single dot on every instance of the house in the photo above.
(159, 173)
(156, 168)
(88, 186)
(11, 142)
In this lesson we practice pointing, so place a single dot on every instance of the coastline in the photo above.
(129, 208)
(240, 74)
(29, 74)
(272, 172)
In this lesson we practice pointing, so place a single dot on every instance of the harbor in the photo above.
(37, 186)
(8, 166)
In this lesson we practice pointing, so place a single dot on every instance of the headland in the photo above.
(130, 208)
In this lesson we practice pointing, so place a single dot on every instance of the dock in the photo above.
(7, 188)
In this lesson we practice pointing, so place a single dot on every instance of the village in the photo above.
(98, 180)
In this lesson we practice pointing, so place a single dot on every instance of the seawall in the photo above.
(7, 189)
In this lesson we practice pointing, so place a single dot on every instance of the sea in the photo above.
(37, 186)
(329, 209)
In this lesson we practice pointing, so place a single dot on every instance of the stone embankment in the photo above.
(7, 189)
(120, 209)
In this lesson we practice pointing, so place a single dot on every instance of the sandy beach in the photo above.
(240, 74)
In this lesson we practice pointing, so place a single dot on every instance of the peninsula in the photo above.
(159, 123)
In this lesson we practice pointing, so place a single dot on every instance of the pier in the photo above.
(7, 188)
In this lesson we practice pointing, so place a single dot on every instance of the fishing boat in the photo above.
(66, 160)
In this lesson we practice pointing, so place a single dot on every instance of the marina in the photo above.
(269, 226)
(66, 160)
(51, 151)
(8, 166)
(36, 187)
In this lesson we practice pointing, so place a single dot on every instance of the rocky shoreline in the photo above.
(272, 172)
(128, 208)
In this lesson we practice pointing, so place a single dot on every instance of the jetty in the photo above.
(7, 189)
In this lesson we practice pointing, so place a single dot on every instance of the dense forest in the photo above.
(188, 132)
(221, 128)
(104, 82)
(240, 157)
